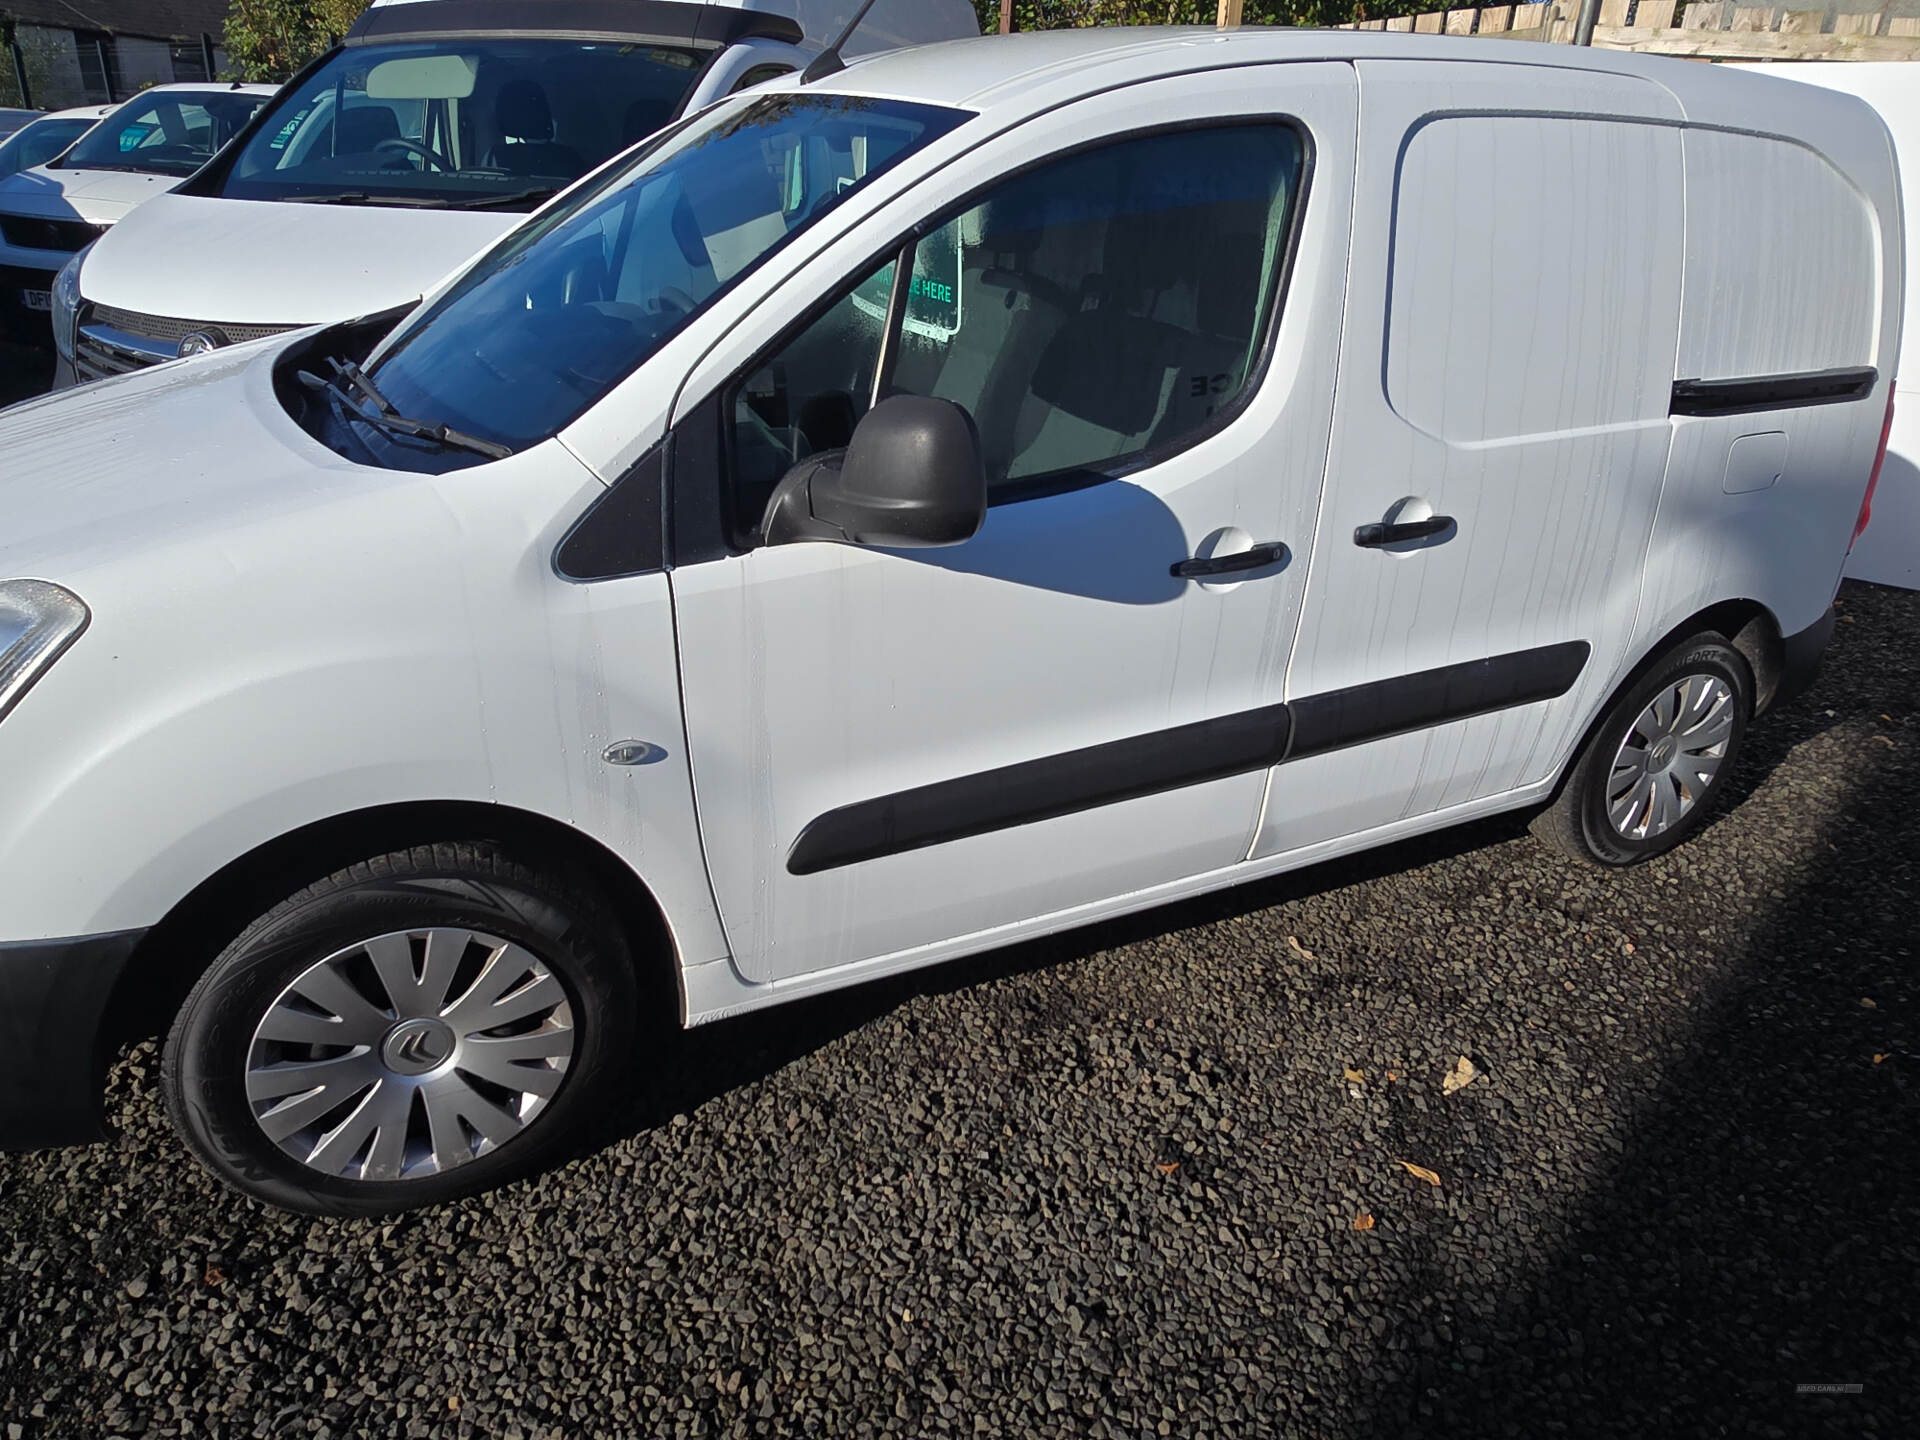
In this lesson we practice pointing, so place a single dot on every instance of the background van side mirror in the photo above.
(911, 477)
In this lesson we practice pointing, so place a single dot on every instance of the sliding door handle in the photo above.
(1374, 535)
(1254, 558)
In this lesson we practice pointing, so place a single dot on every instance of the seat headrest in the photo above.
(521, 111)
(363, 128)
(1229, 288)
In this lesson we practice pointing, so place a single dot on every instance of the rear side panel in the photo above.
(1793, 267)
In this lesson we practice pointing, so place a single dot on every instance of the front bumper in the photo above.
(53, 1002)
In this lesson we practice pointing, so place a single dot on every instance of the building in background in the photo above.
(93, 52)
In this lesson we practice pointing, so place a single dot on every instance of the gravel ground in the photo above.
(1113, 1183)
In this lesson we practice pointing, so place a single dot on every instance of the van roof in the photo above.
(1030, 70)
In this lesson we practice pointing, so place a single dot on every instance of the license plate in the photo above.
(37, 299)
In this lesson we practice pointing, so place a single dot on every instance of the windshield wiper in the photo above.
(349, 377)
(429, 202)
(500, 202)
(362, 197)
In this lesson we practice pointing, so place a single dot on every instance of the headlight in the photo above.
(66, 304)
(38, 621)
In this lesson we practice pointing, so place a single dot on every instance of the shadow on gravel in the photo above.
(1761, 1230)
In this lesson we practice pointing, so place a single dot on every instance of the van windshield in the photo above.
(38, 143)
(165, 132)
(484, 124)
(570, 304)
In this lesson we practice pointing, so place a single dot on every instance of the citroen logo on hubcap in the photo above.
(414, 1047)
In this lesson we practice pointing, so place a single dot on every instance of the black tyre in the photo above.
(419, 1026)
(1652, 769)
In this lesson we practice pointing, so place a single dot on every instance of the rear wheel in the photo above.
(417, 1027)
(1654, 766)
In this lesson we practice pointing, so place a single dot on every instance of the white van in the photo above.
(132, 153)
(999, 486)
(426, 136)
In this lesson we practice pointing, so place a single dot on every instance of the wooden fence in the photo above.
(1704, 30)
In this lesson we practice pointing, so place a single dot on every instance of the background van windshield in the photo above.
(566, 307)
(38, 143)
(460, 121)
(172, 132)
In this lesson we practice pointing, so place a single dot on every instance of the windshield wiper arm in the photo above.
(500, 202)
(349, 378)
(357, 197)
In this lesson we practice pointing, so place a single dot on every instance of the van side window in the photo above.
(1091, 311)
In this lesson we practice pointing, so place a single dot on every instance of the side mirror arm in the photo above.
(789, 518)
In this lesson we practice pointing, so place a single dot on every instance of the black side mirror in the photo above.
(911, 477)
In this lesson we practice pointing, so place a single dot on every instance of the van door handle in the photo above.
(1372, 535)
(1250, 559)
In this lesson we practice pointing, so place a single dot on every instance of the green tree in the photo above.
(270, 39)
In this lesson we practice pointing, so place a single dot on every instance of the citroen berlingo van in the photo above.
(992, 487)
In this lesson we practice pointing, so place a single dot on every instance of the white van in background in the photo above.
(137, 151)
(423, 138)
(1888, 552)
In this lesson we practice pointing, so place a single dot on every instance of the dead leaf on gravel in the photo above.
(214, 1275)
(1878, 1056)
(1421, 1172)
(1363, 1221)
(1299, 949)
(453, 1403)
(1458, 1078)
(1886, 740)
(1393, 1074)
(1357, 1077)
(1167, 1167)
(1866, 1004)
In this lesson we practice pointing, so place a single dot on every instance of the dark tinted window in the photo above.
(1085, 312)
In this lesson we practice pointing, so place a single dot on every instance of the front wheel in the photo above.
(1654, 766)
(420, 1026)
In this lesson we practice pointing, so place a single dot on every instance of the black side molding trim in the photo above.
(1184, 755)
(1360, 713)
(1772, 392)
(1042, 789)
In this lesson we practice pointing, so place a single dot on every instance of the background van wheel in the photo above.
(416, 1027)
(1653, 768)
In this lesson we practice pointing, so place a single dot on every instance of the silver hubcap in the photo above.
(408, 1054)
(1669, 758)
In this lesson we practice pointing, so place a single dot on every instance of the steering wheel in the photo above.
(414, 147)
